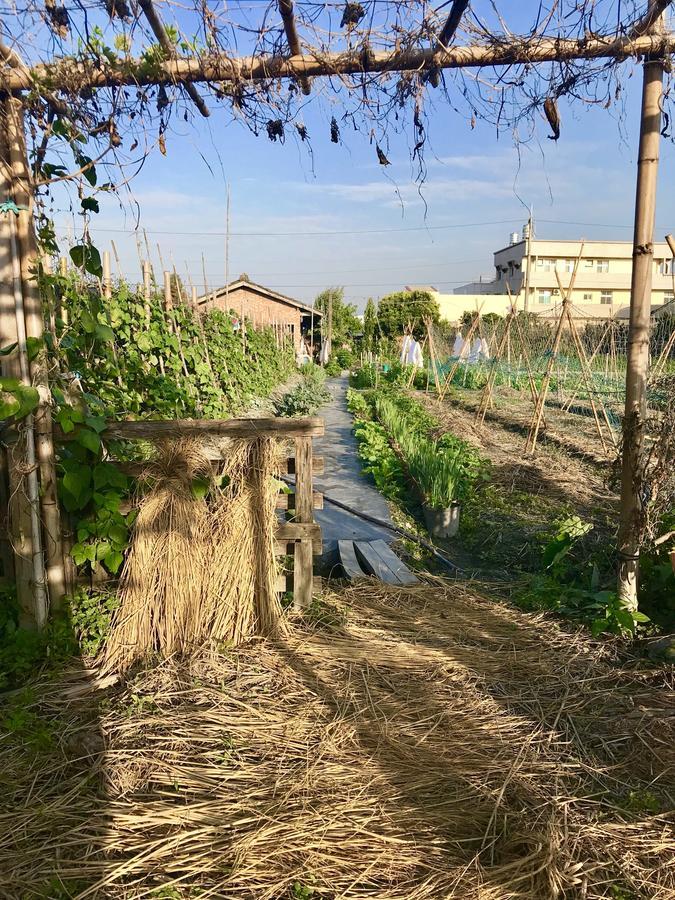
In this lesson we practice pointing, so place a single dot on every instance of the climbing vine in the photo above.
(128, 356)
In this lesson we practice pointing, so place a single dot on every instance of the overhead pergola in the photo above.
(102, 70)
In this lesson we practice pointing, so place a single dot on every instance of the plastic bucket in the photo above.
(442, 523)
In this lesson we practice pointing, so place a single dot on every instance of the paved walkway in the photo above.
(343, 479)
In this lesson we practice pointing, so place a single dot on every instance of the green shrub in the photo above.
(306, 398)
(358, 405)
(345, 358)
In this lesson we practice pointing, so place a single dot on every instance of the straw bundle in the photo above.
(200, 567)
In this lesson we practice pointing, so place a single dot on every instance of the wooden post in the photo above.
(20, 178)
(303, 559)
(637, 369)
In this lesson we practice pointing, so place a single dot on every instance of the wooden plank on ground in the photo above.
(349, 562)
(373, 563)
(387, 555)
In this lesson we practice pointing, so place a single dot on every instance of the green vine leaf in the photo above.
(88, 439)
(87, 257)
(90, 204)
(9, 405)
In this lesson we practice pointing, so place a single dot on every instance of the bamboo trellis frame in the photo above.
(646, 38)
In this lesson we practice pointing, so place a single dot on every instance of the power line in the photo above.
(298, 233)
(137, 231)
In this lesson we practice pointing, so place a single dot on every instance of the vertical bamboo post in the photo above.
(34, 328)
(59, 309)
(303, 559)
(16, 514)
(147, 289)
(107, 281)
(173, 323)
(637, 368)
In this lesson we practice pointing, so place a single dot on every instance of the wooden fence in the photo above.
(298, 536)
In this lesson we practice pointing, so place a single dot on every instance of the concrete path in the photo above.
(343, 479)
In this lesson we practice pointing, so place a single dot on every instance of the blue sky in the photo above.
(291, 210)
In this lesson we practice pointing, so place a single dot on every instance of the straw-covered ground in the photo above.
(410, 743)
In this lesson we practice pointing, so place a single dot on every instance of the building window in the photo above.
(665, 266)
(569, 265)
(603, 265)
(589, 263)
(545, 265)
(544, 297)
(588, 298)
(606, 297)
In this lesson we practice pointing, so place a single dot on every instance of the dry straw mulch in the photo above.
(431, 743)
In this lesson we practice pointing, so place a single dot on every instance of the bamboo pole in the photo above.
(486, 396)
(432, 356)
(147, 289)
(455, 365)
(20, 179)
(173, 323)
(39, 585)
(220, 67)
(637, 369)
(586, 373)
(535, 424)
(17, 512)
(107, 282)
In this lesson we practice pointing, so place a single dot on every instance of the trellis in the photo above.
(57, 84)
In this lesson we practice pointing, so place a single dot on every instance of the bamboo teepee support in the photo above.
(535, 424)
(451, 374)
(586, 373)
(486, 395)
(432, 354)
(567, 405)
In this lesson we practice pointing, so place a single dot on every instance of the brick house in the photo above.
(262, 307)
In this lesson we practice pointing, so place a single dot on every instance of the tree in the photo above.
(369, 325)
(345, 320)
(407, 308)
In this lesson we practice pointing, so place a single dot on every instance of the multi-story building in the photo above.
(532, 268)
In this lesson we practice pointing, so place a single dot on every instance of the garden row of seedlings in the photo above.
(441, 471)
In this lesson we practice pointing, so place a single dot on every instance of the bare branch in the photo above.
(650, 18)
(452, 22)
(286, 10)
(160, 33)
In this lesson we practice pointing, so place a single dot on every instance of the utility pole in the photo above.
(528, 242)
(637, 370)
(329, 328)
